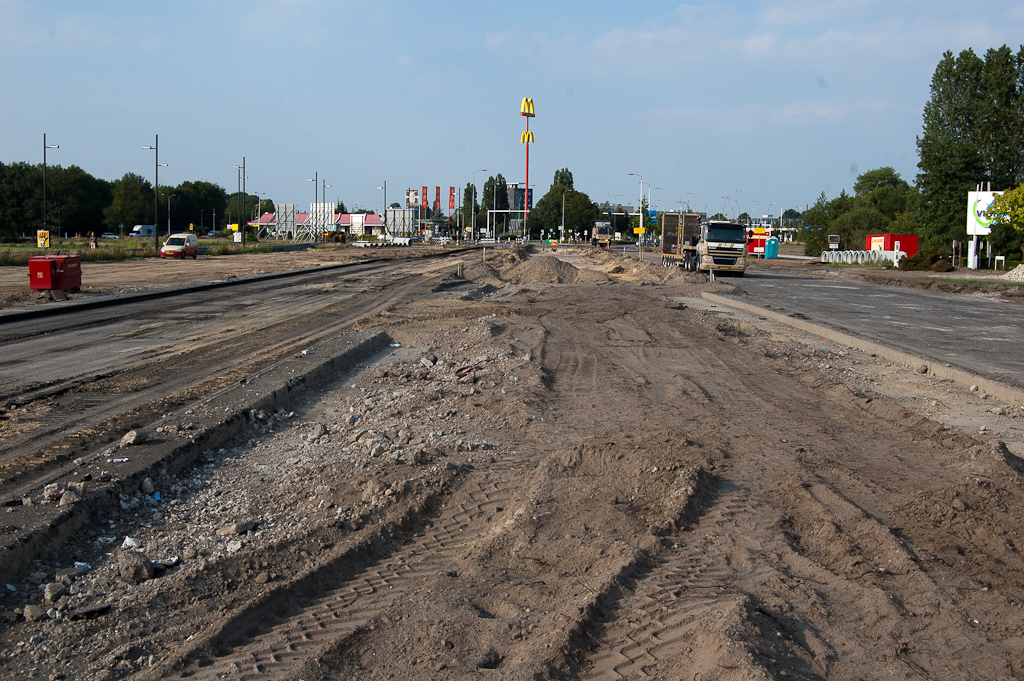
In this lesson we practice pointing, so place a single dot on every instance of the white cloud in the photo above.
(811, 112)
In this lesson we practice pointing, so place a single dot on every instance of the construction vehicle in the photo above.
(714, 247)
(602, 235)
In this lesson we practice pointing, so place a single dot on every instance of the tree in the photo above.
(21, 210)
(884, 189)
(468, 208)
(194, 203)
(79, 200)
(973, 133)
(131, 203)
(1007, 211)
(580, 212)
(494, 196)
(819, 220)
(340, 208)
(563, 177)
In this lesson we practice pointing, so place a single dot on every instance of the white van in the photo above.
(143, 230)
(182, 246)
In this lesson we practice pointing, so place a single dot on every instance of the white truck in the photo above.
(143, 230)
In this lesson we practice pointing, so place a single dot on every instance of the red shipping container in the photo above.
(887, 242)
(55, 272)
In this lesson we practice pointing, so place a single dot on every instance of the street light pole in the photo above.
(640, 210)
(168, 213)
(385, 213)
(316, 186)
(243, 227)
(45, 147)
(323, 193)
(156, 188)
(472, 225)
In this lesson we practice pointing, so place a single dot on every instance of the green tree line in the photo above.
(78, 203)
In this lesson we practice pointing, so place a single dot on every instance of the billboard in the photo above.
(412, 198)
(978, 220)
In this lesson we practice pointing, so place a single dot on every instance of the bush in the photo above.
(924, 261)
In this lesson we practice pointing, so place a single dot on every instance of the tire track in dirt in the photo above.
(252, 651)
(842, 450)
(676, 602)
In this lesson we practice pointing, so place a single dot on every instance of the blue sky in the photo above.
(765, 103)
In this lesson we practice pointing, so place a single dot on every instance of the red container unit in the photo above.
(892, 242)
(55, 272)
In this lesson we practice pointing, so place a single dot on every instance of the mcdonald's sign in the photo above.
(526, 138)
(526, 108)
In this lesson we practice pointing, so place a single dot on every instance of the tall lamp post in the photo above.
(384, 215)
(316, 186)
(472, 225)
(156, 188)
(640, 210)
(243, 227)
(238, 197)
(168, 214)
(45, 147)
(323, 193)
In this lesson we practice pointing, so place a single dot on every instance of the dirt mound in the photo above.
(545, 269)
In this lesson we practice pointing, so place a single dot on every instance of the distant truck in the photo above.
(602, 235)
(718, 247)
(143, 230)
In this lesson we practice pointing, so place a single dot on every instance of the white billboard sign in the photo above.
(979, 222)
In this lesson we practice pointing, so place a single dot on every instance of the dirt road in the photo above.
(563, 468)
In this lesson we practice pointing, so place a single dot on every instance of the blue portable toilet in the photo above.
(771, 248)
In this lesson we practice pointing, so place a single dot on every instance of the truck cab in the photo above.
(722, 248)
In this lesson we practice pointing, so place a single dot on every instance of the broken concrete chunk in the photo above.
(53, 492)
(53, 591)
(241, 527)
(134, 437)
(134, 567)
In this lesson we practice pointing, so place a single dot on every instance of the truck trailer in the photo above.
(716, 246)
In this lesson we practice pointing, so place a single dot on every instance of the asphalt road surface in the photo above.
(968, 332)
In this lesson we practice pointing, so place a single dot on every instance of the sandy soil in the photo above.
(569, 467)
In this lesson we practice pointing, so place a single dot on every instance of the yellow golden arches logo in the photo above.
(526, 108)
(526, 138)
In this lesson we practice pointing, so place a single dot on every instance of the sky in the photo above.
(744, 106)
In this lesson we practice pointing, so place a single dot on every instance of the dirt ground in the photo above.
(565, 467)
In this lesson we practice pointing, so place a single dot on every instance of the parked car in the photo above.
(180, 246)
(109, 235)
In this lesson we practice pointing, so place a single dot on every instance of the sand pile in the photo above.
(550, 270)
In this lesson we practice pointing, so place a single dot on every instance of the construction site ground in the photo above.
(565, 465)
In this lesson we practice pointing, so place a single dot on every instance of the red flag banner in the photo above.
(451, 198)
